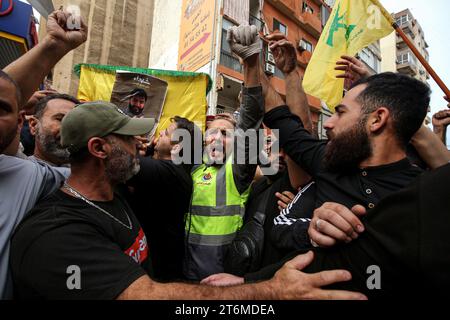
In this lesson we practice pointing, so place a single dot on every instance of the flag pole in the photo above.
(422, 60)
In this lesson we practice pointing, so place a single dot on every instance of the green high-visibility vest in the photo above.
(217, 209)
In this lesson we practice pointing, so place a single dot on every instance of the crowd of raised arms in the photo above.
(92, 209)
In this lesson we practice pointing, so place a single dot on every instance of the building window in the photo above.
(406, 57)
(403, 58)
(324, 116)
(306, 46)
(307, 8)
(277, 25)
(227, 58)
(325, 14)
(225, 26)
(402, 19)
(369, 58)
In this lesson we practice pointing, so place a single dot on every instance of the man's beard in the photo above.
(51, 146)
(347, 150)
(121, 166)
(135, 110)
(7, 139)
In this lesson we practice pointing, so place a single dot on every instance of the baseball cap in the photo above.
(99, 119)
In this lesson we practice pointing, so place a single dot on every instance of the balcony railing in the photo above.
(408, 66)
(229, 61)
(408, 28)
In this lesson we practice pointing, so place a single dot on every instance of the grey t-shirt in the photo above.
(22, 184)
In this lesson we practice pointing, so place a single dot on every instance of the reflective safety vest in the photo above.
(217, 213)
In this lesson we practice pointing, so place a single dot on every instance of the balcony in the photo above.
(311, 23)
(407, 67)
(408, 28)
(401, 43)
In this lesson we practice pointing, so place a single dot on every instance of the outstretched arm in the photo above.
(441, 120)
(244, 42)
(353, 69)
(288, 284)
(30, 70)
(285, 56)
(430, 148)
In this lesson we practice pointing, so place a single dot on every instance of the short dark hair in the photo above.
(183, 123)
(139, 93)
(7, 77)
(41, 106)
(407, 99)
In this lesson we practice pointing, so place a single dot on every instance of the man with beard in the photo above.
(365, 158)
(22, 182)
(136, 103)
(86, 213)
(94, 246)
(45, 125)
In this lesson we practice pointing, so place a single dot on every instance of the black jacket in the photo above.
(406, 237)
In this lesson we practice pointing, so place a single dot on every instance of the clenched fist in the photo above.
(60, 36)
(244, 41)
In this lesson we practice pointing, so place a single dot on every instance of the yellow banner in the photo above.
(352, 26)
(186, 96)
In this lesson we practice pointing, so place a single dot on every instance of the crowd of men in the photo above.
(88, 210)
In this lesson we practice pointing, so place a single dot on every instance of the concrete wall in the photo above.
(388, 53)
(165, 35)
(119, 34)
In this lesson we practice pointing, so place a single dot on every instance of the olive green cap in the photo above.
(99, 119)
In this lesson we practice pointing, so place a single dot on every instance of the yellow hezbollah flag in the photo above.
(352, 26)
(186, 95)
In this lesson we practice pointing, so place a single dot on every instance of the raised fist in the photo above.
(62, 34)
(441, 119)
(244, 41)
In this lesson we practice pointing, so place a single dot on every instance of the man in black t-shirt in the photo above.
(161, 196)
(85, 227)
(84, 242)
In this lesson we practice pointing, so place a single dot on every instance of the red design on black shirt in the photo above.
(139, 250)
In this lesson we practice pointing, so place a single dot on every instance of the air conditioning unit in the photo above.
(270, 68)
(270, 57)
(302, 46)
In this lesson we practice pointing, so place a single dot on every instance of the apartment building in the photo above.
(396, 55)
(202, 45)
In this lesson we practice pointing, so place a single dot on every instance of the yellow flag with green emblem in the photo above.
(352, 26)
